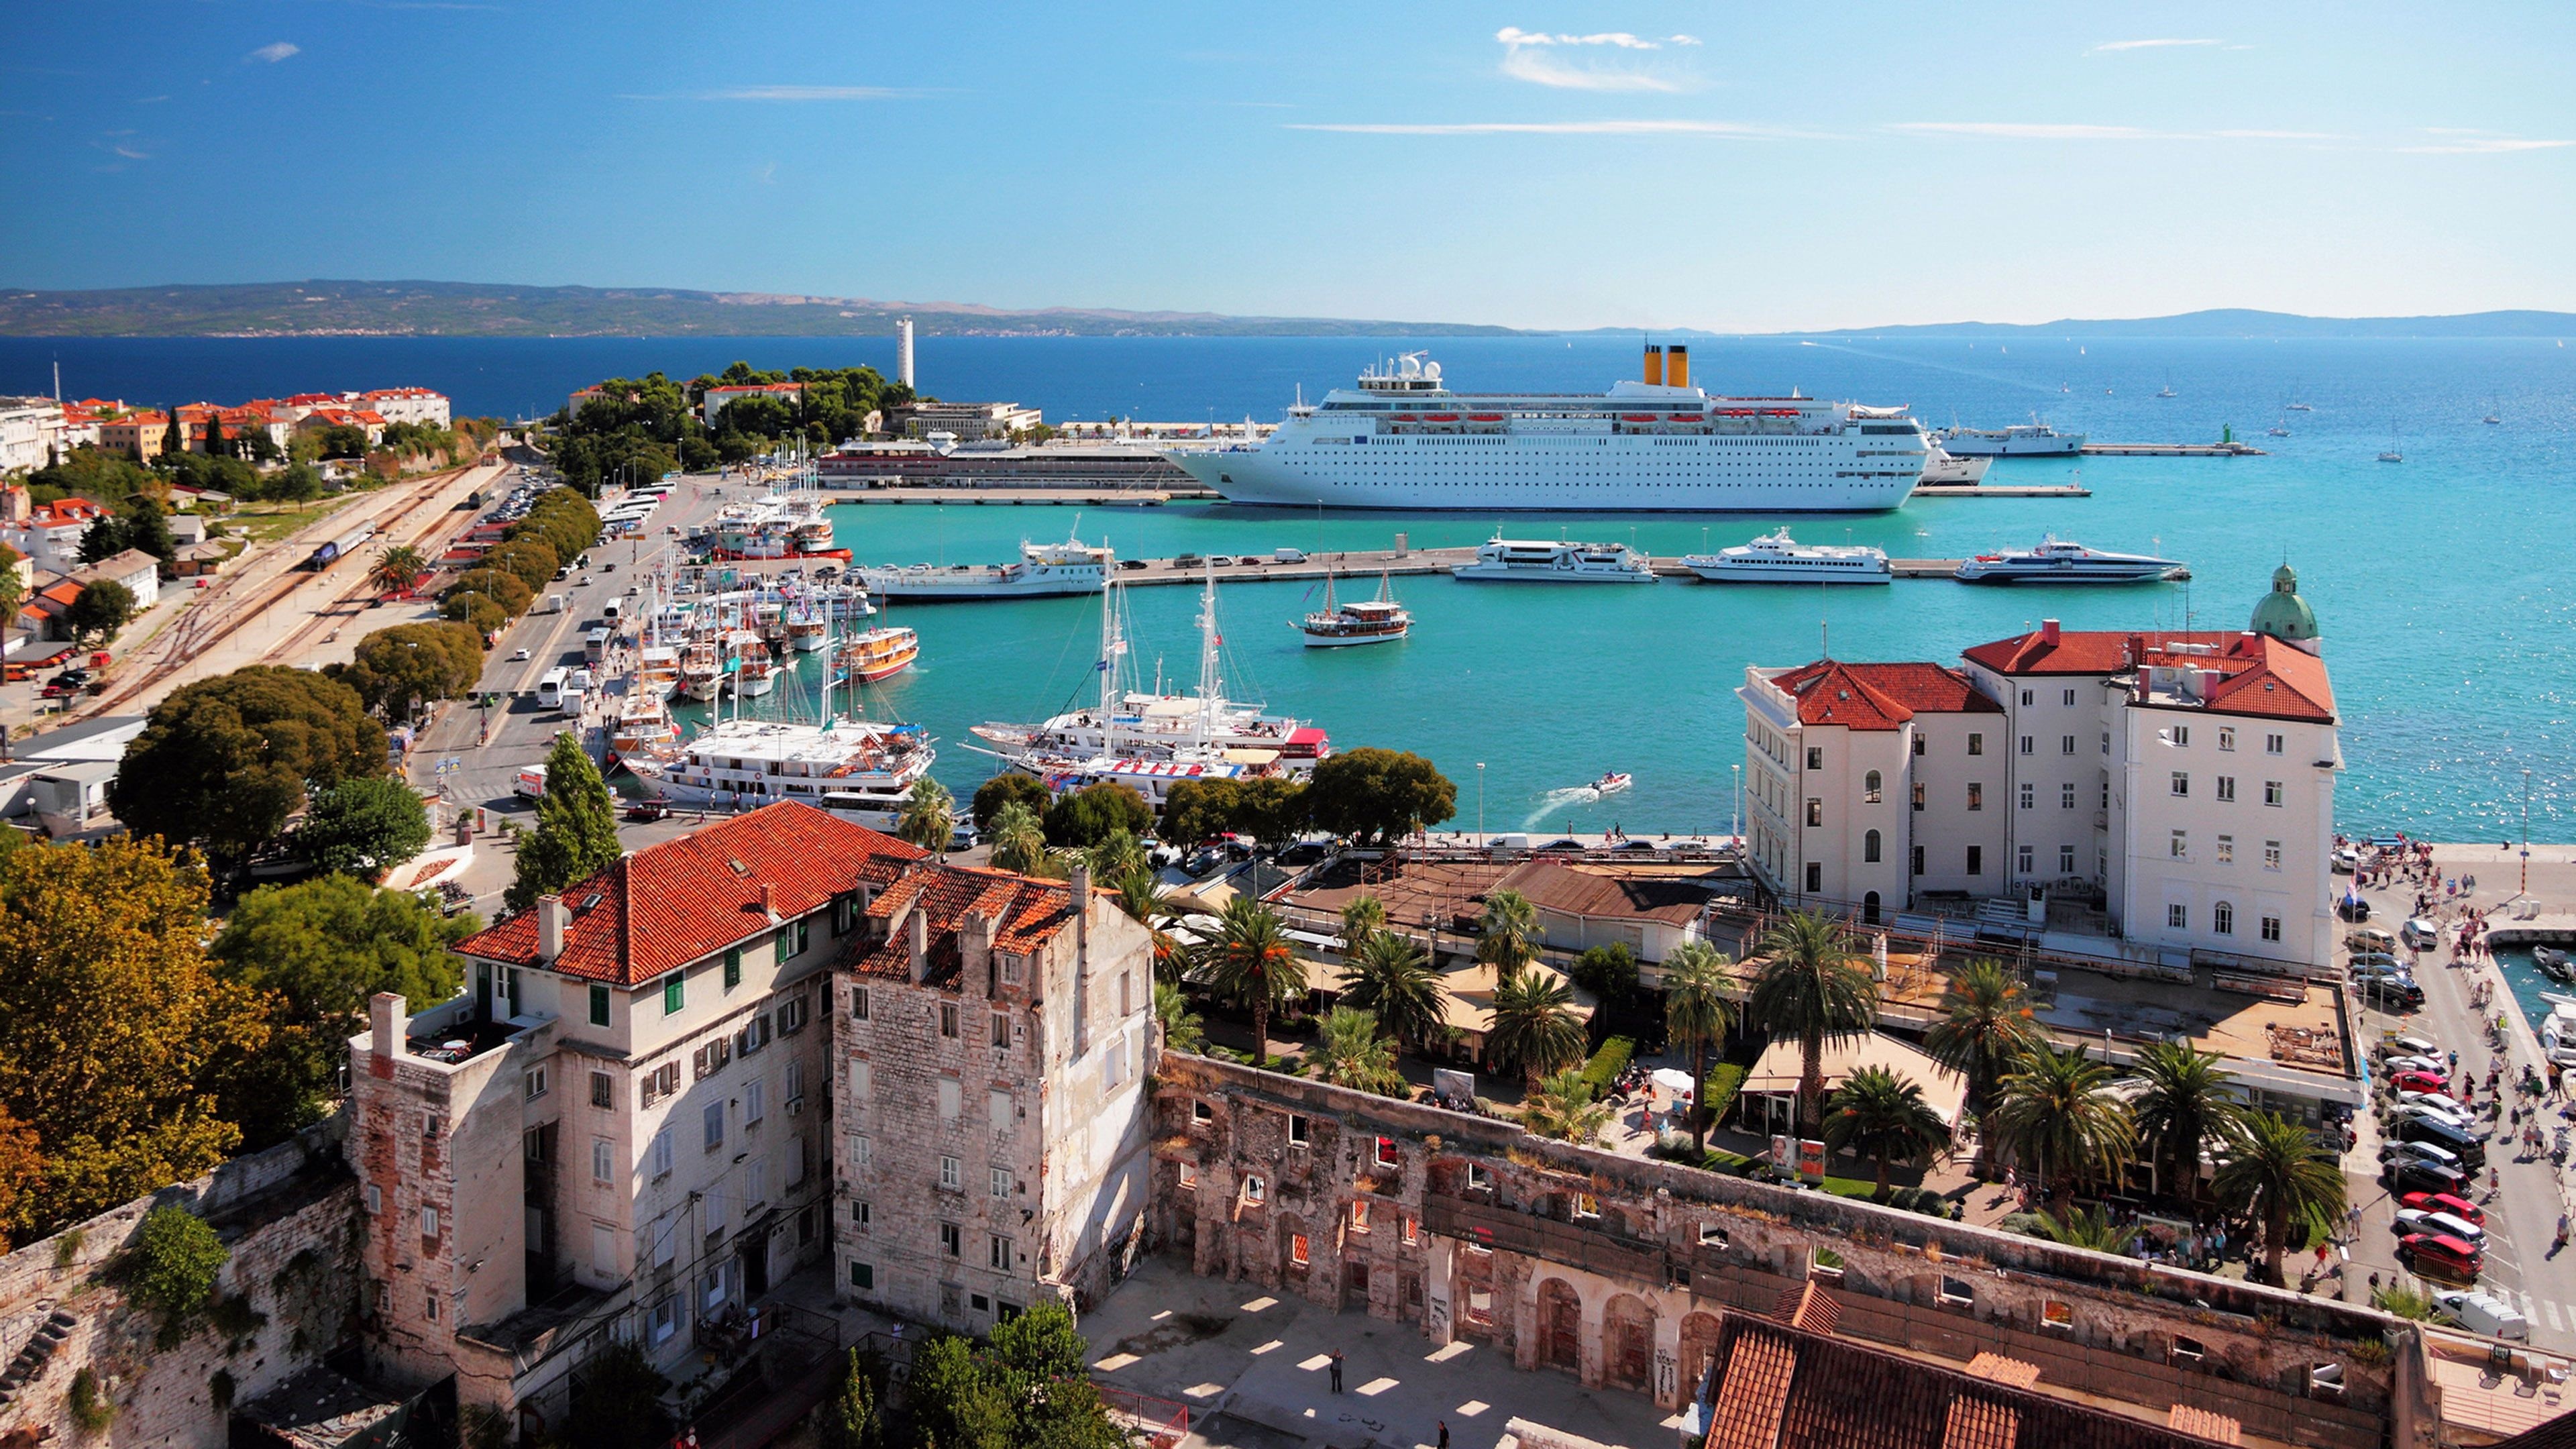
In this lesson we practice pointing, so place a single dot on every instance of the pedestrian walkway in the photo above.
(1255, 1367)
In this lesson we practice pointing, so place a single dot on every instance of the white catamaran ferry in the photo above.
(1776, 558)
(1401, 439)
(1547, 561)
(1070, 567)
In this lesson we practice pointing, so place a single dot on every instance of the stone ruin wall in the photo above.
(1613, 1269)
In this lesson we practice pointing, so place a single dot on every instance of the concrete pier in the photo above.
(2174, 450)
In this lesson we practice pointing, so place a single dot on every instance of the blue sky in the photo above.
(1730, 167)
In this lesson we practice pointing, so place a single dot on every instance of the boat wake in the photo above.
(1557, 800)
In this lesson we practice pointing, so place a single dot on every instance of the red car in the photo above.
(2438, 1255)
(2443, 1202)
(2421, 1082)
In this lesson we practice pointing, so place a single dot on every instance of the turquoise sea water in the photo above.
(2442, 583)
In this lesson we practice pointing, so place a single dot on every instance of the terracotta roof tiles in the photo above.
(1026, 914)
(1879, 696)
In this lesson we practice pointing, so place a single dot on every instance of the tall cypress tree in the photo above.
(576, 834)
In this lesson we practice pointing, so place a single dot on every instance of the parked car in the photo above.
(2409, 1044)
(2346, 860)
(2392, 993)
(2375, 961)
(647, 810)
(2443, 1202)
(2420, 933)
(2417, 1220)
(2481, 1313)
(2352, 908)
(2417, 1064)
(2406, 1176)
(2432, 1255)
(2370, 938)
(2426, 1107)
(2405, 1151)
(2450, 1137)
(2421, 1082)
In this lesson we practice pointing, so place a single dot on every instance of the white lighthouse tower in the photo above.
(903, 351)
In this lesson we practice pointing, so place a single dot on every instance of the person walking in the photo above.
(1337, 1370)
(1444, 1434)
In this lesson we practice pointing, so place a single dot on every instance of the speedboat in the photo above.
(1778, 558)
(2553, 963)
(2063, 561)
(1613, 783)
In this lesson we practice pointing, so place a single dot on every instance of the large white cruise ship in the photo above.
(1401, 439)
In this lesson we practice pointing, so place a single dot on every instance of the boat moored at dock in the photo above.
(1776, 558)
(1043, 570)
(2033, 439)
(1555, 561)
(2063, 561)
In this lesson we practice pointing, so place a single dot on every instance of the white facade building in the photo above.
(2182, 782)
(30, 432)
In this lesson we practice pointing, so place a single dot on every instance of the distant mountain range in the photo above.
(476, 309)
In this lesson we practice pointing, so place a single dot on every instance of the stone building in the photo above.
(617, 1130)
(992, 1041)
(1624, 1273)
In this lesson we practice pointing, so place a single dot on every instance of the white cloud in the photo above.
(782, 93)
(275, 52)
(2025, 131)
(2279, 136)
(2109, 46)
(2457, 142)
(1544, 59)
(1734, 129)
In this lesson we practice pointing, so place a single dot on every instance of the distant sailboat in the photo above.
(2168, 392)
(2392, 455)
(2281, 429)
(2296, 406)
(2493, 417)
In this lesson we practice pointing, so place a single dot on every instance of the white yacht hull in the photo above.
(1343, 641)
(1728, 572)
(1517, 573)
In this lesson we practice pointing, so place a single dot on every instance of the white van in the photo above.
(1509, 842)
(2481, 1313)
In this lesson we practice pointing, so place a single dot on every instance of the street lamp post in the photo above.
(2526, 833)
(1480, 805)
(1735, 830)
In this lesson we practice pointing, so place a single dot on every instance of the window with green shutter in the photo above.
(673, 994)
(599, 1006)
(733, 967)
(786, 944)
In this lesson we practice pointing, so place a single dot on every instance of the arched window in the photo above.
(1869, 787)
(1869, 847)
(2222, 919)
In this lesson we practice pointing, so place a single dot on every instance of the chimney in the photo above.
(1677, 367)
(1654, 365)
(769, 900)
(386, 1021)
(2048, 631)
(553, 919)
(917, 924)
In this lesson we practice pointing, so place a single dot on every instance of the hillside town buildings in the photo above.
(2175, 787)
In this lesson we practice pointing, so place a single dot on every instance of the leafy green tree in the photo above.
(104, 539)
(1080, 819)
(1377, 796)
(533, 561)
(1118, 854)
(475, 611)
(98, 611)
(2187, 1107)
(1199, 810)
(1534, 1029)
(1272, 809)
(617, 1402)
(1182, 1029)
(319, 949)
(929, 816)
(576, 834)
(1812, 987)
(2090, 1228)
(1609, 973)
(1699, 1005)
(176, 1259)
(115, 1030)
(340, 440)
(225, 761)
(854, 1416)
(1506, 936)
(1250, 964)
(1009, 788)
(147, 527)
(13, 589)
(957, 1403)
(1019, 839)
(2060, 1120)
(1883, 1117)
(397, 670)
(2403, 1300)
(364, 826)
(2278, 1173)
(1391, 979)
(1986, 1027)
(1349, 1052)
(298, 484)
(500, 586)
(1562, 1108)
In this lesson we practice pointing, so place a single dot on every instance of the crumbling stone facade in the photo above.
(1613, 1269)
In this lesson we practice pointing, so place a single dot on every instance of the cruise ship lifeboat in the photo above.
(1639, 418)
(1440, 417)
(1781, 413)
(1484, 417)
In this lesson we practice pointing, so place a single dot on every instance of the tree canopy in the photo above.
(1008, 788)
(225, 761)
(1083, 818)
(98, 611)
(364, 826)
(1376, 796)
(396, 669)
(576, 834)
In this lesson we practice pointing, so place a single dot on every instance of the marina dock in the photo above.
(1362, 563)
(2173, 450)
(1027, 497)
(2000, 490)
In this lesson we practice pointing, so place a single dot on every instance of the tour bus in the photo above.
(594, 645)
(612, 609)
(550, 688)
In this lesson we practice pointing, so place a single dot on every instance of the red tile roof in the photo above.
(1879, 696)
(1554, 886)
(2260, 675)
(683, 900)
(1026, 914)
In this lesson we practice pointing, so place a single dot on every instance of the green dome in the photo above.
(2283, 614)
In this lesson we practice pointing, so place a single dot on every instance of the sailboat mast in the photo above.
(1211, 681)
(1113, 651)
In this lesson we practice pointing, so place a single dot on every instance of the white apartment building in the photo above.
(31, 431)
(2184, 780)
(617, 1130)
(405, 405)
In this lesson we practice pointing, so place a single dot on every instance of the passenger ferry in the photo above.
(2061, 561)
(862, 765)
(1776, 558)
(1521, 559)
(641, 727)
(1399, 438)
(1362, 621)
(1044, 569)
(2033, 439)
(874, 654)
(1945, 469)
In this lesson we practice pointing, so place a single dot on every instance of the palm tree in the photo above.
(1562, 1107)
(1503, 937)
(1390, 978)
(929, 816)
(1534, 1027)
(1019, 839)
(2185, 1108)
(397, 569)
(2275, 1172)
(1140, 896)
(1182, 1030)
(1349, 1052)
(1811, 986)
(1249, 964)
(1699, 1005)
(2059, 1118)
(2091, 1228)
(1883, 1117)
(1117, 854)
(1986, 1027)
(1363, 916)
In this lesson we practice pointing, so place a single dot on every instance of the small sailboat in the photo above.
(2281, 429)
(2392, 455)
(2296, 406)
(1363, 621)
(2168, 391)
(2493, 418)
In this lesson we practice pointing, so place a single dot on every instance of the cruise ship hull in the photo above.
(1540, 475)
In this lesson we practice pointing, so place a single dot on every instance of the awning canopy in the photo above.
(1778, 1071)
